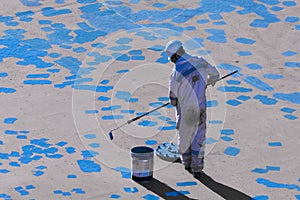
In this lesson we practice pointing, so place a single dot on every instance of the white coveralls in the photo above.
(188, 83)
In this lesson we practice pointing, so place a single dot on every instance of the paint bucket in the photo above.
(142, 163)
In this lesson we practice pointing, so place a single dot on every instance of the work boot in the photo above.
(198, 174)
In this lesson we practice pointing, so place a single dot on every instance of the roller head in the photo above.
(111, 135)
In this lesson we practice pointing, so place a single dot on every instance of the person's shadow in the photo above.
(168, 193)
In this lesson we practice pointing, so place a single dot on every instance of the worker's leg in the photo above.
(188, 127)
(198, 145)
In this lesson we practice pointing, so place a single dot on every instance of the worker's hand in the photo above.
(173, 102)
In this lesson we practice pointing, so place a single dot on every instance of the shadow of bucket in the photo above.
(142, 163)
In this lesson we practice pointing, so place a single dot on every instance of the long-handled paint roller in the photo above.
(138, 117)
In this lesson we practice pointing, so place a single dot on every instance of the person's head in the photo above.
(174, 50)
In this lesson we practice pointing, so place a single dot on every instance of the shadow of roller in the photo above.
(162, 190)
(222, 190)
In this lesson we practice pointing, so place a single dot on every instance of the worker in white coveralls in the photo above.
(189, 79)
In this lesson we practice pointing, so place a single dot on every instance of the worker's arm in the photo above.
(212, 72)
(173, 89)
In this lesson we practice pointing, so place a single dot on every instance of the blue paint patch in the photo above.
(151, 142)
(166, 128)
(244, 53)
(289, 3)
(233, 82)
(53, 70)
(288, 110)
(273, 76)
(103, 98)
(202, 21)
(3, 74)
(193, 44)
(290, 117)
(275, 144)
(88, 154)
(72, 176)
(213, 103)
(147, 123)
(215, 122)
(61, 144)
(232, 151)
(70, 63)
(115, 196)
(233, 102)
(37, 82)
(123, 95)
(90, 136)
(292, 19)
(234, 89)
(159, 5)
(291, 97)
(10, 120)
(210, 141)
(150, 197)
(217, 35)
(111, 117)
(276, 8)
(184, 184)
(127, 111)
(245, 40)
(125, 172)
(79, 50)
(163, 118)
(4, 171)
(177, 193)
(227, 132)
(226, 138)
(289, 53)
(11, 132)
(122, 71)
(268, 168)
(243, 98)
(88, 166)
(131, 190)
(91, 111)
(265, 100)
(254, 66)
(215, 16)
(261, 197)
(7, 90)
(94, 145)
(254, 81)
(111, 108)
(38, 76)
(292, 64)
(271, 184)
(50, 12)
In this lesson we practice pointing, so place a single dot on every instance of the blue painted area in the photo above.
(147, 123)
(290, 97)
(215, 122)
(111, 108)
(226, 138)
(184, 184)
(289, 53)
(38, 76)
(177, 193)
(217, 35)
(3, 74)
(233, 82)
(271, 184)
(111, 117)
(122, 71)
(159, 5)
(193, 44)
(94, 145)
(30, 3)
(88, 154)
(266, 170)
(230, 68)
(151, 142)
(256, 82)
(227, 132)
(233, 102)
(90, 136)
(290, 117)
(265, 99)
(253, 66)
(261, 197)
(131, 190)
(91, 111)
(232, 151)
(275, 144)
(72, 176)
(273, 76)
(213, 103)
(289, 3)
(115, 196)
(234, 89)
(37, 82)
(166, 128)
(50, 12)
(79, 50)
(276, 8)
(288, 110)
(70, 63)
(7, 90)
(292, 64)
(210, 141)
(103, 98)
(245, 40)
(243, 98)
(10, 120)
(244, 53)
(88, 166)
(70, 150)
(125, 172)
(150, 197)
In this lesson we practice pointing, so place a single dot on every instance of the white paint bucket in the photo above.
(142, 163)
